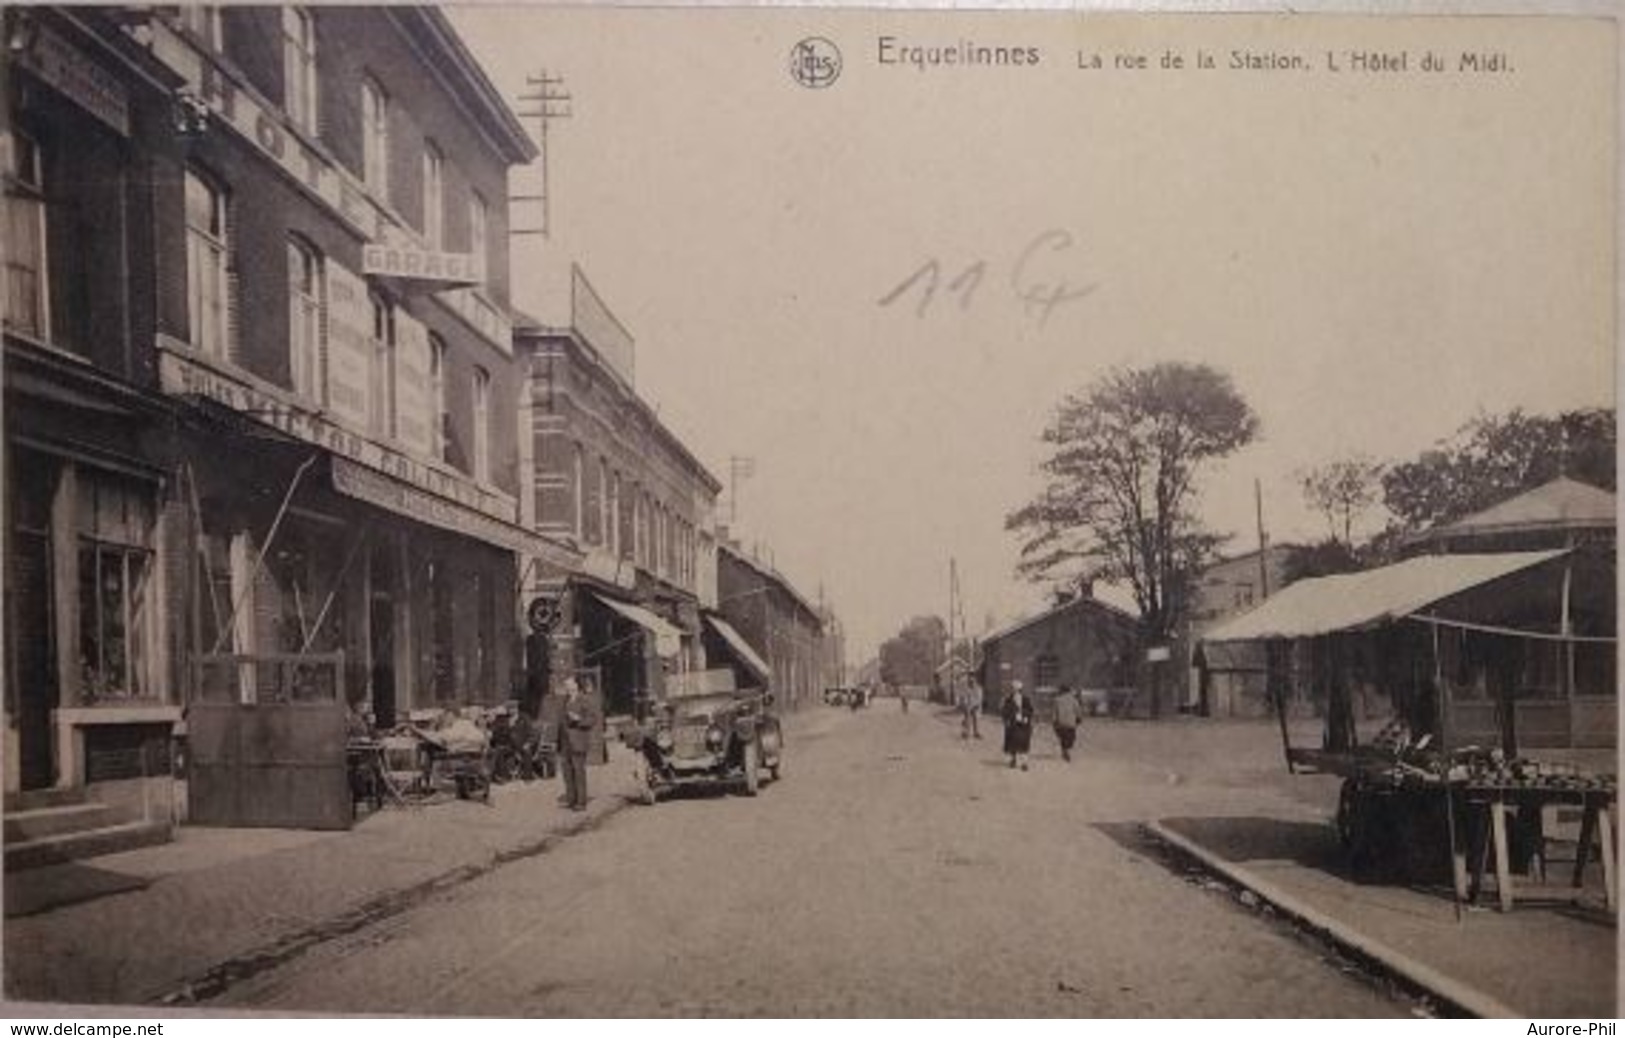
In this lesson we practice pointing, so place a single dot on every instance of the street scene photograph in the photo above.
(546, 511)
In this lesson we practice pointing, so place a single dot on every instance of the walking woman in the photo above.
(1017, 711)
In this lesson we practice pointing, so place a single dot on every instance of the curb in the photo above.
(380, 905)
(1447, 989)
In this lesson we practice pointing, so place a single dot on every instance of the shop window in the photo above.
(375, 138)
(482, 425)
(27, 297)
(439, 416)
(434, 195)
(443, 656)
(206, 262)
(116, 600)
(305, 319)
(382, 389)
(299, 67)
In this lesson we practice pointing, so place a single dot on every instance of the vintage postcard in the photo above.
(586, 511)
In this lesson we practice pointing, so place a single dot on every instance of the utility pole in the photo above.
(552, 102)
(738, 468)
(1263, 543)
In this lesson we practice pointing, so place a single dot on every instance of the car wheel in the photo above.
(753, 778)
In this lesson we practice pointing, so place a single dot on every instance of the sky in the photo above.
(1373, 258)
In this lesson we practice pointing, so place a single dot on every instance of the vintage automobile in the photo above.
(704, 734)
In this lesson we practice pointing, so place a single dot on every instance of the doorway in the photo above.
(33, 693)
(381, 636)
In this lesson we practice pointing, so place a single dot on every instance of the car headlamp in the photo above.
(714, 738)
(663, 739)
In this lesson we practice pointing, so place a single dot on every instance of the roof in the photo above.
(467, 80)
(1012, 628)
(1562, 504)
(1350, 601)
(772, 576)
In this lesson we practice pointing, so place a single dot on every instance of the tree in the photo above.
(1124, 456)
(1342, 489)
(1494, 457)
(912, 657)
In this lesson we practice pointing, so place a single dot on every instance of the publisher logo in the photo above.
(815, 62)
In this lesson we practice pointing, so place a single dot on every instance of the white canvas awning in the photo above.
(668, 639)
(741, 648)
(1354, 601)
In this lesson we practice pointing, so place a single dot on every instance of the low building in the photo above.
(1082, 642)
(1234, 683)
(784, 629)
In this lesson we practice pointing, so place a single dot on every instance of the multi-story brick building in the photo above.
(613, 482)
(299, 218)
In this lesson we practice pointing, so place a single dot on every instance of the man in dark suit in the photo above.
(578, 719)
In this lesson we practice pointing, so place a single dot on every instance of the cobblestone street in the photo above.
(895, 871)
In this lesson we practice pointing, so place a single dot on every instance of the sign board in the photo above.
(349, 347)
(182, 373)
(66, 69)
(413, 410)
(408, 262)
(600, 328)
(1158, 654)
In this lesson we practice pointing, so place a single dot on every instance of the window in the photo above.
(206, 264)
(304, 319)
(203, 22)
(299, 67)
(116, 633)
(606, 517)
(27, 300)
(437, 397)
(577, 473)
(434, 192)
(375, 137)
(615, 515)
(482, 425)
(382, 388)
(478, 244)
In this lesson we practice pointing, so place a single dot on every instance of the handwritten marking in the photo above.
(1039, 295)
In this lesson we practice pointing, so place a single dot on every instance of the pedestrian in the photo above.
(1068, 712)
(1017, 712)
(902, 696)
(578, 718)
(970, 707)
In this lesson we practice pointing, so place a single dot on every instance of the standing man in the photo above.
(578, 718)
(970, 706)
(1068, 712)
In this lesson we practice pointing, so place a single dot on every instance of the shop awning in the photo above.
(1354, 601)
(741, 648)
(668, 639)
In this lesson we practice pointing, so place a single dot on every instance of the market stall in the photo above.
(1425, 642)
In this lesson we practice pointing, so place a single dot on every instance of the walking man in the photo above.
(1068, 712)
(970, 707)
(578, 718)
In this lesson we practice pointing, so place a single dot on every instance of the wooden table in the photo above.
(1488, 806)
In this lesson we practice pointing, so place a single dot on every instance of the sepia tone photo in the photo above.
(584, 511)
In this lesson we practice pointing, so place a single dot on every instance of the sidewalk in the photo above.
(1539, 960)
(177, 922)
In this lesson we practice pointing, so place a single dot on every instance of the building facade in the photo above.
(1233, 684)
(609, 479)
(1082, 642)
(309, 231)
(787, 631)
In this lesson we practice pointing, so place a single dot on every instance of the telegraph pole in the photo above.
(551, 102)
(953, 611)
(1263, 543)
